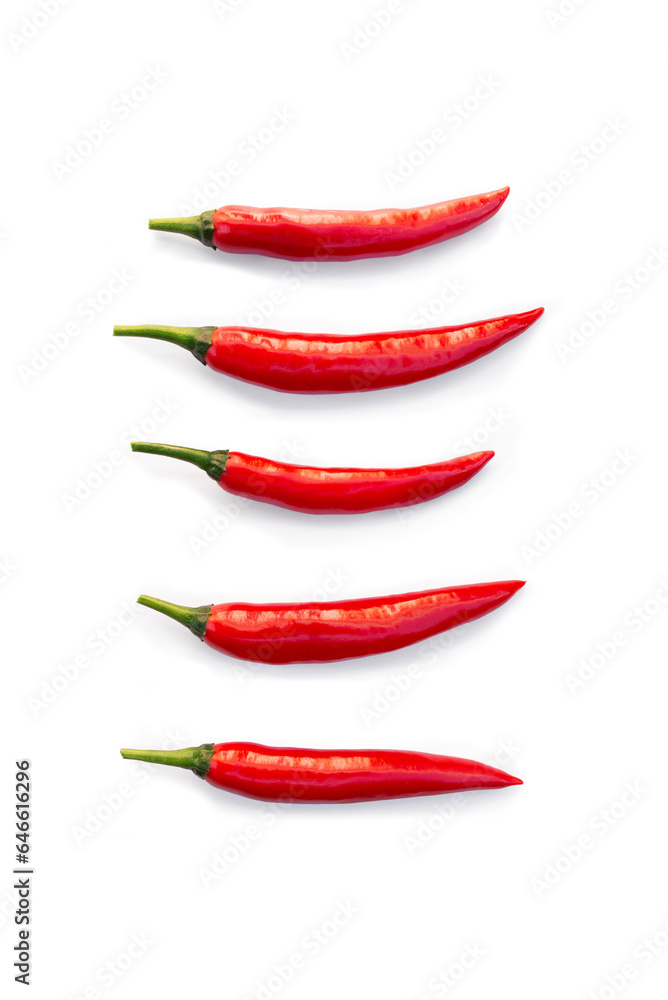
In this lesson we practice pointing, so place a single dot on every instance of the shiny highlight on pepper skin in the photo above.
(321, 632)
(334, 235)
(313, 490)
(325, 776)
(323, 363)
(344, 775)
(345, 491)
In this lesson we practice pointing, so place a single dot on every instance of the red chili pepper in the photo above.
(322, 362)
(308, 234)
(324, 631)
(296, 775)
(325, 491)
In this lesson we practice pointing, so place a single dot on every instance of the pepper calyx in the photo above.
(194, 619)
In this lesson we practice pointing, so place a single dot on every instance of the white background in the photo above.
(120, 851)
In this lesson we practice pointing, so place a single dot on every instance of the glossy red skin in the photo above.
(289, 773)
(322, 362)
(313, 234)
(320, 632)
(344, 491)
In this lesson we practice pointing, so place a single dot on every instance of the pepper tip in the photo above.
(502, 194)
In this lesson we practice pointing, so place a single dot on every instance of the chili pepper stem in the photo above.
(200, 227)
(196, 339)
(212, 462)
(181, 335)
(188, 226)
(195, 759)
(193, 618)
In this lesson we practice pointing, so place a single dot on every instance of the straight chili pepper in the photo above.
(325, 491)
(322, 362)
(313, 234)
(320, 632)
(298, 775)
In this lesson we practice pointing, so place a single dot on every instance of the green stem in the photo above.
(196, 759)
(200, 227)
(193, 618)
(196, 339)
(212, 462)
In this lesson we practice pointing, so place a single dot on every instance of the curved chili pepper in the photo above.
(323, 362)
(313, 234)
(297, 775)
(325, 491)
(320, 632)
